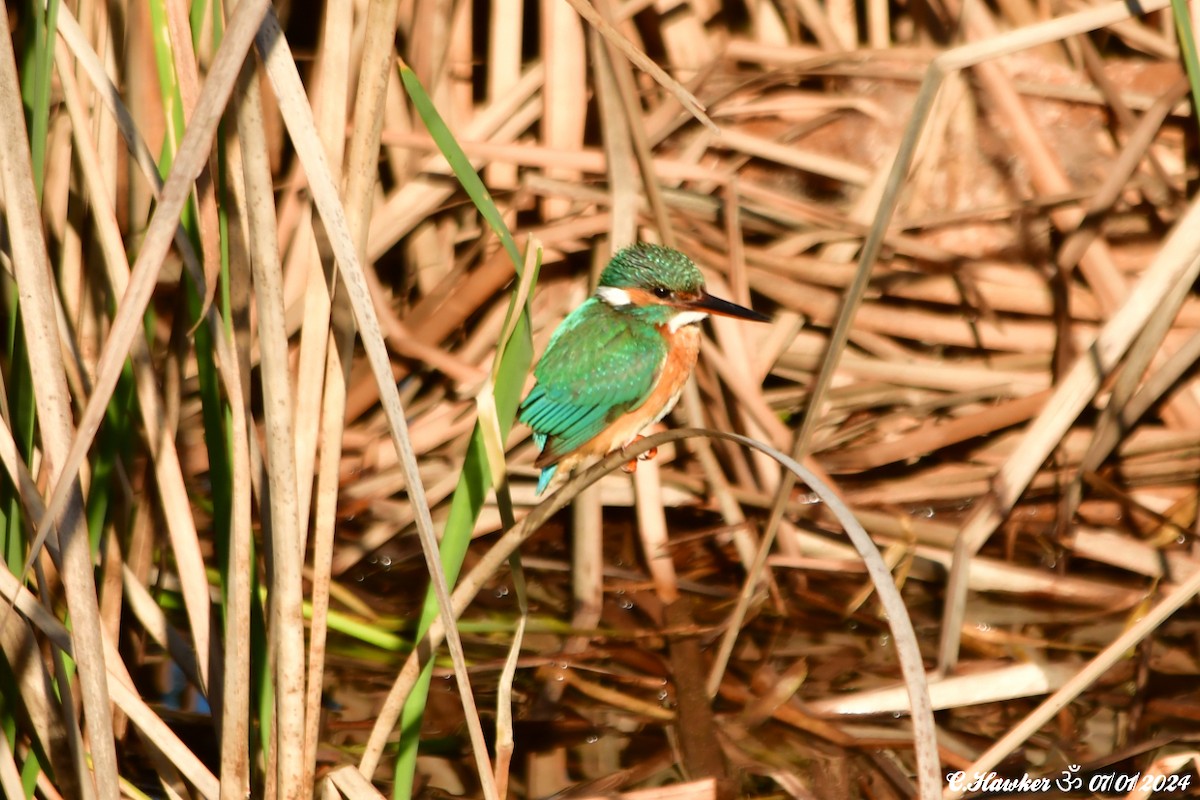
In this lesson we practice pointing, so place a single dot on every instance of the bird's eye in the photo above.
(662, 292)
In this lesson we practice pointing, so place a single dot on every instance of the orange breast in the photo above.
(683, 347)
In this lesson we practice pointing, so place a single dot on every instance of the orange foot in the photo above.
(630, 467)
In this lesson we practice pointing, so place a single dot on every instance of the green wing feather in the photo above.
(599, 364)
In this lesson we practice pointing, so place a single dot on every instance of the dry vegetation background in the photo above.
(973, 224)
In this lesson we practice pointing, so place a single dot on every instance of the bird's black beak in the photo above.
(715, 305)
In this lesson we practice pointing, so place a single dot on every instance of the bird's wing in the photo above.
(596, 368)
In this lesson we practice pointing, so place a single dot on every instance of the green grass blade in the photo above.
(36, 80)
(22, 417)
(215, 414)
(1187, 49)
(475, 479)
(463, 170)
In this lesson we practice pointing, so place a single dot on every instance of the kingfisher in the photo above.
(618, 363)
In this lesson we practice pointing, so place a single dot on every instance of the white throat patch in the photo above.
(685, 318)
(614, 296)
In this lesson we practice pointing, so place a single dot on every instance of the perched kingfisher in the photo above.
(618, 363)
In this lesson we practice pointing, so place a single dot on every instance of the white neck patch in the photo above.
(614, 296)
(685, 318)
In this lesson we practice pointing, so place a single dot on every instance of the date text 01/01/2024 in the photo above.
(1103, 782)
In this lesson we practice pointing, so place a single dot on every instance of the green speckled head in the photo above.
(650, 266)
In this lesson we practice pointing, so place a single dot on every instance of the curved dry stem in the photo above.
(911, 664)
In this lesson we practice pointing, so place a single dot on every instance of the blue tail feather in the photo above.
(539, 441)
(545, 478)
